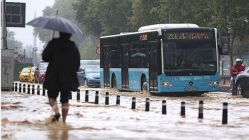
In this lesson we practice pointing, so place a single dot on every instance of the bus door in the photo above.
(124, 66)
(153, 66)
(106, 66)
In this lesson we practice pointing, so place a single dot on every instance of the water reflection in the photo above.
(58, 134)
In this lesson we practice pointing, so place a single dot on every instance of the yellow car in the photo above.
(27, 74)
(32, 75)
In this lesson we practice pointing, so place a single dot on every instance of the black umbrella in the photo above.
(56, 23)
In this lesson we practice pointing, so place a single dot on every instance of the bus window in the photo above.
(138, 56)
(183, 57)
(115, 57)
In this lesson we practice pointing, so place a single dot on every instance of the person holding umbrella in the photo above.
(61, 75)
(63, 57)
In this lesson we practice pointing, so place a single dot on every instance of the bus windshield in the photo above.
(188, 53)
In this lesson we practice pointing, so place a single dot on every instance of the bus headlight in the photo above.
(167, 84)
(214, 83)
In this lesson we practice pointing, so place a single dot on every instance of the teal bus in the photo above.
(162, 58)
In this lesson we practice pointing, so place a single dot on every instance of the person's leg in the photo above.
(65, 108)
(53, 104)
(65, 105)
(52, 96)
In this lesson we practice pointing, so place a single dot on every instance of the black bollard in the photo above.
(107, 98)
(20, 87)
(164, 107)
(133, 103)
(15, 87)
(43, 92)
(147, 104)
(24, 88)
(33, 89)
(200, 115)
(70, 96)
(183, 109)
(86, 96)
(97, 97)
(28, 89)
(224, 113)
(118, 100)
(78, 95)
(38, 90)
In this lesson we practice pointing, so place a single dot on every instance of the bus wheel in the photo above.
(114, 82)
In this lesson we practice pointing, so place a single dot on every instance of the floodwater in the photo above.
(25, 116)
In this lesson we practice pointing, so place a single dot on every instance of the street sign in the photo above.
(15, 14)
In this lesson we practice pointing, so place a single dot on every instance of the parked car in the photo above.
(242, 83)
(24, 74)
(86, 64)
(90, 77)
(40, 71)
(32, 75)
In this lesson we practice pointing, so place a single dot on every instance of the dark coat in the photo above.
(64, 61)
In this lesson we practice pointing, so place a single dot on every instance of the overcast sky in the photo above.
(25, 35)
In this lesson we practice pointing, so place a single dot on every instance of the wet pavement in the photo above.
(25, 116)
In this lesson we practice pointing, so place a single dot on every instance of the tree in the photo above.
(87, 14)
(64, 9)
(111, 17)
(114, 16)
(144, 12)
(103, 17)
(229, 18)
(13, 43)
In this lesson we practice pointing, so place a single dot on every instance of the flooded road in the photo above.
(25, 116)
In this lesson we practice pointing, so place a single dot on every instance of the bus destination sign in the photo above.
(187, 36)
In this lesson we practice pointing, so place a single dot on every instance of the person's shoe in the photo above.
(56, 117)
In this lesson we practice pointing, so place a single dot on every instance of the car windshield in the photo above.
(188, 56)
(26, 70)
(92, 70)
(89, 62)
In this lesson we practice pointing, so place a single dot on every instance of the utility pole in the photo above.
(4, 30)
(34, 44)
(229, 32)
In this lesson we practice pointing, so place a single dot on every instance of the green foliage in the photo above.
(114, 16)
(105, 17)
(64, 9)
(87, 14)
(144, 12)
(88, 50)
